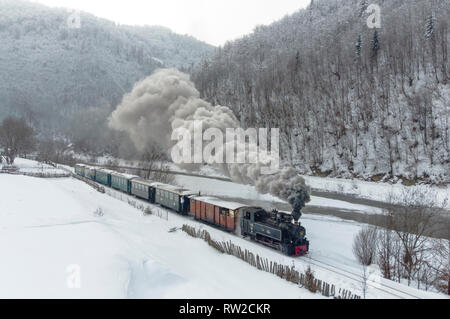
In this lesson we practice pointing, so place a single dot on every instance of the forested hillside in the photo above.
(349, 100)
(54, 75)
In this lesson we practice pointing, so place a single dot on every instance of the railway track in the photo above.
(348, 274)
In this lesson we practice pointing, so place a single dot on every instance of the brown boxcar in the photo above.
(210, 213)
(192, 207)
(217, 215)
(217, 212)
(203, 211)
(198, 210)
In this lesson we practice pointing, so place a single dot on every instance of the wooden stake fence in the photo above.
(285, 272)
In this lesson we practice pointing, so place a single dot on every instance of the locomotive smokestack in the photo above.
(298, 200)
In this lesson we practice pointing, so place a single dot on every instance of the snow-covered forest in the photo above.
(350, 101)
(51, 73)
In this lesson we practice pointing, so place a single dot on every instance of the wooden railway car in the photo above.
(79, 169)
(103, 176)
(122, 182)
(92, 173)
(87, 172)
(172, 197)
(143, 189)
(217, 212)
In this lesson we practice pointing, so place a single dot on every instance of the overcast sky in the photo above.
(212, 21)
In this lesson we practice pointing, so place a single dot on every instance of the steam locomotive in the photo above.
(280, 231)
(275, 229)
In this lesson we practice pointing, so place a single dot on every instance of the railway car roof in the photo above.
(173, 189)
(127, 176)
(219, 202)
(104, 170)
(142, 181)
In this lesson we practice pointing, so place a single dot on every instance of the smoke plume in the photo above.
(168, 100)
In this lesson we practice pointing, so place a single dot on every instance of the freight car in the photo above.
(121, 182)
(79, 169)
(173, 198)
(103, 176)
(85, 171)
(88, 172)
(92, 173)
(143, 189)
(274, 229)
(220, 213)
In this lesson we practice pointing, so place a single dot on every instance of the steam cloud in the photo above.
(168, 100)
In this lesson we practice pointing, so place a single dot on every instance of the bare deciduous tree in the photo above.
(16, 137)
(365, 246)
(441, 265)
(388, 248)
(365, 249)
(153, 161)
(414, 223)
(55, 151)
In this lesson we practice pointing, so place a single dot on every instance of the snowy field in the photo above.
(48, 226)
(30, 166)
(372, 190)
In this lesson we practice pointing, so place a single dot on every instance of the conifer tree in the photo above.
(358, 47)
(375, 44)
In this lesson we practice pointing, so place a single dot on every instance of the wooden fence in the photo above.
(36, 174)
(288, 273)
(146, 209)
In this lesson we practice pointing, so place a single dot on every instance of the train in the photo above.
(273, 229)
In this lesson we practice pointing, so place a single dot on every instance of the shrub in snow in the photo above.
(148, 211)
(99, 212)
(310, 280)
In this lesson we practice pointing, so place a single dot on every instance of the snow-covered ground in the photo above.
(48, 228)
(30, 166)
(382, 192)
(377, 191)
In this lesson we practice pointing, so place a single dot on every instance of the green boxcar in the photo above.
(92, 173)
(173, 198)
(142, 188)
(79, 169)
(103, 177)
(121, 182)
(87, 172)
